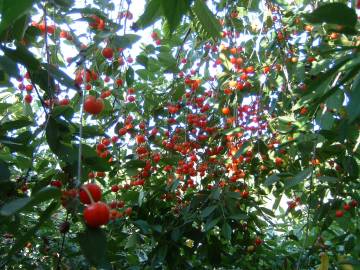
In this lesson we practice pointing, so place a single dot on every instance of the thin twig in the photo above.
(62, 246)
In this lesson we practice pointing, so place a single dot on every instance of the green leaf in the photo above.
(207, 211)
(239, 216)
(4, 107)
(12, 11)
(150, 15)
(23, 56)
(9, 66)
(174, 11)
(328, 179)
(353, 108)
(132, 241)
(43, 195)
(30, 232)
(129, 76)
(350, 166)
(168, 61)
(207, 19)
(60, 76)
(14, 206)
(297, 179)
(19, 27)
(66, 111)
(333, 13)
(135, 164)
(53, 135)
(125, 41)
(141, 197)
(15, 124)
(93, 245)
(4, 171)
(211, 223)
(178, 92)
(64, 3)
(143, 225)
(271, 180)
(242, 149)
(226, 231)
(97, 164)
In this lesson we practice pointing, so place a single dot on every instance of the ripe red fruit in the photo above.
(347, 207)
(354, 203)
(122, 131)
(97, 214)
(128, 211)
(94, 190)
(29, 87)
(28, 98)
(339, 213)
(115, 188)
(56, 183)
(108, 53)
(114, 139)
(64, 102)
(140, 139)
(279, 161)
(154, 35)
(225, 110)
(101, 147)
(93, 105)
(250, 69)
(105, 141)
(245, 194)
(63, 34)
(119, 82)
(258, 241)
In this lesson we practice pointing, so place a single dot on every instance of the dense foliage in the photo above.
(200, 135)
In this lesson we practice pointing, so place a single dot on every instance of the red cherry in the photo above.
(347, 207)
(122, 131)
(131, 98)
(279, 161)
(63, 34)
(28, 98)
(226, 110)
(108, 53)
(154, 35)
(114, 139)
(339, 213)
(56, 183)
(115, 188)
(354, 203)
(94, 190)
(250, 69)
(128, 211)
(29, 87)
(119, 82)
(245, 194)
(140, 139)
(101, 147)
(64, 102)
(97, 214)
(258, 241)
(105, 141)
(93, 105)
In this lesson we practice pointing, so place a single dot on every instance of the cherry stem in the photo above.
(89, 194)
